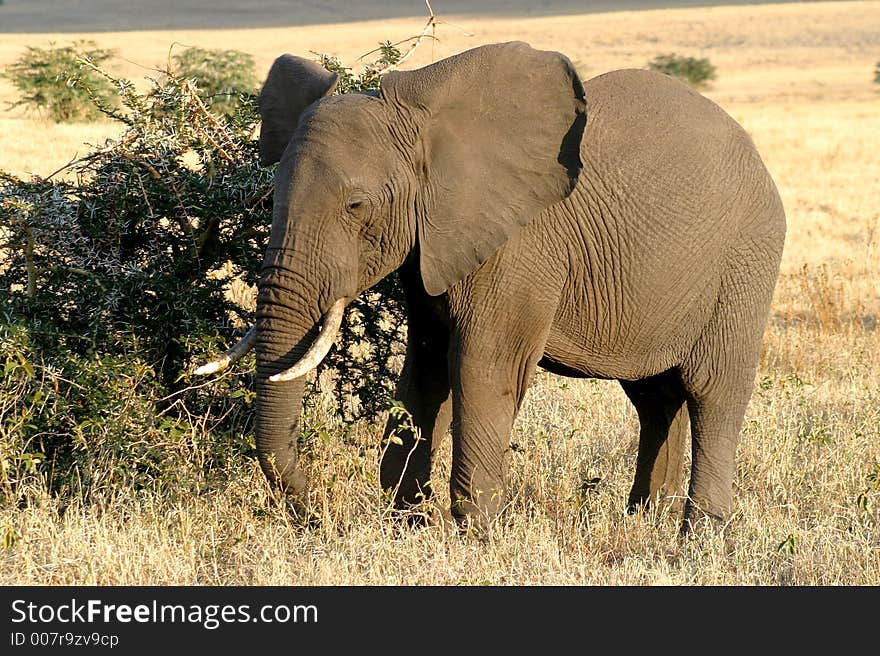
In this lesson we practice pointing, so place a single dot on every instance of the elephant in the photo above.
(620, 228)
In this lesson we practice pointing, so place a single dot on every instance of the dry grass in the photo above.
(798, 77)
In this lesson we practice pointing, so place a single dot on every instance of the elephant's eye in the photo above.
(355, 203)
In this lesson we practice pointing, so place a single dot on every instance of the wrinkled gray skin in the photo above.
(641, 244)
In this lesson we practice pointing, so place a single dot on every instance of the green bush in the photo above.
(110, 290)
(694, 71)
(55, 79)
(113, 286)
(877, 74)
(224, 77)
(369, 78)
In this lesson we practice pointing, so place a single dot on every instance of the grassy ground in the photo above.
(798, 77)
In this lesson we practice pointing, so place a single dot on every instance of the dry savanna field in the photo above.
(798, 76)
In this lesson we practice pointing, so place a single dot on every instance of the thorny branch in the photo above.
(430, 26)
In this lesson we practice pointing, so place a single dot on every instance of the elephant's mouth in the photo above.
(330, 323)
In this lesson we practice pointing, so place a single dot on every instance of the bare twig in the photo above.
(150, 168)
(430, 26)
(169, 68)
(406, 40)
(212, 121)
(441, 21)
(109, 148)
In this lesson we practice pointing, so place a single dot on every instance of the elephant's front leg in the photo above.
(411, 439)
(489, 379)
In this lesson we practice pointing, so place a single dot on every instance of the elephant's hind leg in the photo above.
(663, 425)
(718, 377)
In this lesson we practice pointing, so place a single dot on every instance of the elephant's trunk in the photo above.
(286, 326)
(278, 409)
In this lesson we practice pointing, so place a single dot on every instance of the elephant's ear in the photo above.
(500, 127)
(292, 85)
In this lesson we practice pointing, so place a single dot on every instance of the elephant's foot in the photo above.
(408, 493)
(415, 516)
(478, 516)
(638, 502)
(698, 517)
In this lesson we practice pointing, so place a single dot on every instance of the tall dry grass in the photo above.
(798, 77)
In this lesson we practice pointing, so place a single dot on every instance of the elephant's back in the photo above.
(637, 95)
(659, 155)
(670, 184)
(643, 118)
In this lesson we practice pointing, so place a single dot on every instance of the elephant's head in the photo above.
(443, 164)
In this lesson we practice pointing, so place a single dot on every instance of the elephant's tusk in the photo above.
(319, 348)
(231, 356)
